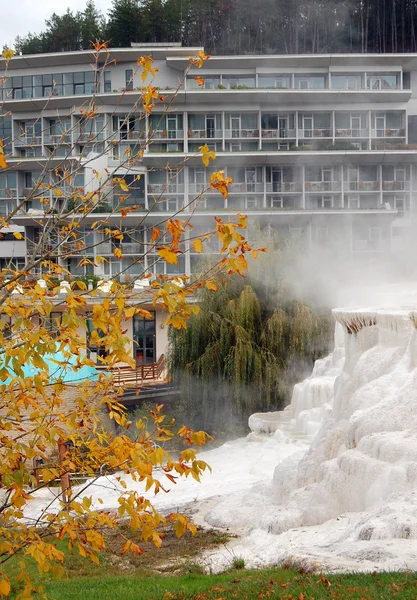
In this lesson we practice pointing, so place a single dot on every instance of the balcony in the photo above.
(81, 137)
(28, 140)
(280, 134)
(246, 187)
(396, 186)
(323, 186)
(351, 133)
(207, 134)
(283, 187)
(57, 139)
(165, 134)
(127, 248)
(388, 133)
(361, 186)
(165, 188)
(129, 135)
(315, 133)
(241, 133)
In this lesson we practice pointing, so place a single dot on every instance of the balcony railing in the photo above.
(351, 133)
(207, 134)
(244, 187)
(89, 136)
(323, 186)
(165, 188)
(242, 133)
(386, 133)
(129, 135)
(315, 133)
(361, 186)
(167, 134)
(56, 139)
(281, 134)
(396, 185)
(284, 186)
(28, 140)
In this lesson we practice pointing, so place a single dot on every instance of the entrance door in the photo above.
(144, 339)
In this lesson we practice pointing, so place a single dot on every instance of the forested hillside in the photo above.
(237, 26)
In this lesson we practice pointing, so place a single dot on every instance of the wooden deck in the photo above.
(142, 375)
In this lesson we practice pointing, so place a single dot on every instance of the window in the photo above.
(53, 322)
(107, 81)
(6, 325)
(144, 339)
(129, 79)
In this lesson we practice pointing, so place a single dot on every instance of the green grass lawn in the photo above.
(173, 573)
(267, 583)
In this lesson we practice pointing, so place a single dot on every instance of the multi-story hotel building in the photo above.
(321, 146)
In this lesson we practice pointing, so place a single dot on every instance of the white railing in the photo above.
(396, 185)
(53, 140)
(323, 186)
(166, 134)
(8, 192)
(242, 133)
(207, 134)
(89, 136)
(386, 133)
(285, 186)
(246, 187)
(351, 133)
(28, 140)
(165, 188)
(281, 134)
(315, 133)
(361, 186)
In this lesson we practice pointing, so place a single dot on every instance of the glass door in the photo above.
(144, 339)
(276, 180)
(172, 127)
(308, 126)
(210, 126)
(380, 126)
(235, 126)
(355, 126)
(283, 127)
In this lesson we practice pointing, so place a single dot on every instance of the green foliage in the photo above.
(244, 351)
(238, 26)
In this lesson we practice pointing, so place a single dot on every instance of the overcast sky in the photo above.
(18, 17)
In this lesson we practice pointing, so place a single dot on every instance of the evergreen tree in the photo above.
(92, 25)
(64, 32)
(124, 23)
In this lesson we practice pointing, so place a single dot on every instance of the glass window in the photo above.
(79, 77)
(68, 77)
(129, 79)
(107, 81)
(37, 80)
(47, 79)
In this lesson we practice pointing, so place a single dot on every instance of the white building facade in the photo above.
(320, 146)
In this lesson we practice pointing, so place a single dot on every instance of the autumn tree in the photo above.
(56, 408)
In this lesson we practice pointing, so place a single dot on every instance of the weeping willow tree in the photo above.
(244, 351)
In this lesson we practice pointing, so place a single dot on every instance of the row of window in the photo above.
(334, 81)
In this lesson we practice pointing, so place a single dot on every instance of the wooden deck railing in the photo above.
(128, 377)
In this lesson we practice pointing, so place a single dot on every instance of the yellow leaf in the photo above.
(4, 587)
(199, 80)
(7, 54)
(168, 254)
(210, 285)
(17, 235)
(118, 253)
(198, 245)
(207, 155)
